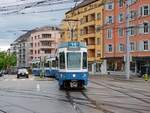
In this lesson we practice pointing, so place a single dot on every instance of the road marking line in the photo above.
(23, 79)
(38, 87)
(14, 79)
(31, 79)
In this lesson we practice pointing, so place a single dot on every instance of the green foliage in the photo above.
(7, 60)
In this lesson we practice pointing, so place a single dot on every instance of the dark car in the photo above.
(22, 73)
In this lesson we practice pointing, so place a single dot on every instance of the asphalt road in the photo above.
(101, 96)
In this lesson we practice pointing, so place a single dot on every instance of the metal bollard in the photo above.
(146, 77)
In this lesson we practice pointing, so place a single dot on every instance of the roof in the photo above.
(82, 4)
(25, 36)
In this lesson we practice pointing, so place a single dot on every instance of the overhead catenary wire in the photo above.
(12, 9)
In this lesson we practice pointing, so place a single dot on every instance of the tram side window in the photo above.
(46, 64)
(54, 63)
(35, 65)
(62, 60)
(84, 60)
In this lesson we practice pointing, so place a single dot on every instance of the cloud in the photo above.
(11, 25)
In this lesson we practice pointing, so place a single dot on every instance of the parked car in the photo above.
(23, 73)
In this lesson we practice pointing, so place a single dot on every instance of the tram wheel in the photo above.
(61, 87)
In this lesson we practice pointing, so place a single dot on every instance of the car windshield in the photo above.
(22, 70)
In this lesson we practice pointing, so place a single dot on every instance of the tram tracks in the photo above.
(112, 87)
(91, 103)
(73, 103)
(97, 106)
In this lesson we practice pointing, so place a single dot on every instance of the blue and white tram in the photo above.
(72, 65)
(36, 68)
(50, 67)
(47, 70)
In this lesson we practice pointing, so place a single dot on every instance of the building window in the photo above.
(132, 46)
(146, 27)
(46, 35)
(120, 17)
(109, 6)
(133, 14)
(98, 41)
(109, 33)
(98, 28)
(110, 19)
(81, 32)
(145, 45)
(146, 10)
(131, 31)
(120, 3)
(98, 16)
(109, 48)
(121, 47)
(120, 32)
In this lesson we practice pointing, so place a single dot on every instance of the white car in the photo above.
(23, 73)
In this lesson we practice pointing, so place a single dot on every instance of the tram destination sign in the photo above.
(73, 45)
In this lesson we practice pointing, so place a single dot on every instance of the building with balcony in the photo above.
(35, 44)
(43, 42)
(116, 31)
(86, 28)
(20, 48)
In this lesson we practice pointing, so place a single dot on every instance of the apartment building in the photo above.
(20, 48)
(43, 43)
(119, 24)
(35, 44)
(87, 25)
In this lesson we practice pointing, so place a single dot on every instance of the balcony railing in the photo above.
(47, 39)
(48, 46)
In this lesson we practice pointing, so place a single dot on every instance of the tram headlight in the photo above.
(74, 75)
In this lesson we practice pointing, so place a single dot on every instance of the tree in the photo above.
(7, 60)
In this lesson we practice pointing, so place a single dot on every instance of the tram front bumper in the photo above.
(76, 76)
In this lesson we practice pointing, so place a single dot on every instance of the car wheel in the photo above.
(17, 76)
(27, 76)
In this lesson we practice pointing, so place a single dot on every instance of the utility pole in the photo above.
(127, 42)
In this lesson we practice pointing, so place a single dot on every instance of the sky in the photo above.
(11, 26)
